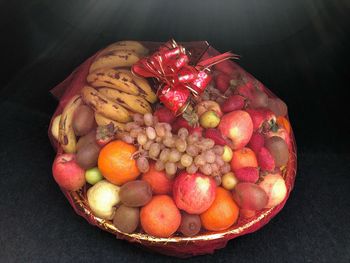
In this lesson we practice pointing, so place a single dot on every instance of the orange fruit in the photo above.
(244, 157)
(160, 217)
(159, 182)
(117, 164)
(222, 214)
(283, 122)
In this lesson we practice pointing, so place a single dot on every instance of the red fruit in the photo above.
(256, 142)
(275, 188)
(198, 130)
(246, 90)
(265, 160)
(238, 126)
(261, 116)
(244, 157)
(164, 115)
(194, 193)
(247, 174)
(159, 182)
(259, 100)
(222, 82)
(232, 103)
(180, 122)
(215, 135)
(226, 67)
(67, 173)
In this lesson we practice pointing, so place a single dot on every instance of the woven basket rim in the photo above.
(79, 203)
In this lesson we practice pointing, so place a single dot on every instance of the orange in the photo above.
(283, 122)
(222, 214)
(117, 164)
(160, 217)
(244, 157)
(159, 182)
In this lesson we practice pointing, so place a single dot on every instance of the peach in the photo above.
(244, 157)
(238, 126)
(67, 173)
(194, 193)
(275, 188)
(158, 180)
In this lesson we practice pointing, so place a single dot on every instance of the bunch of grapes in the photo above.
(173, 152)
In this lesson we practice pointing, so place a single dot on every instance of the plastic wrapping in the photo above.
(179, 246)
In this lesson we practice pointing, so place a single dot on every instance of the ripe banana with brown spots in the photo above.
(144, 89)
(66, 135)
(127, 45)
(55, 127)
(103, 121)
(115, 59)
(122, 80)
(102, 105)
(115, 79)
(131, 102)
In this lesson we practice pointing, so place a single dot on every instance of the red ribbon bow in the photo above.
(178, 79)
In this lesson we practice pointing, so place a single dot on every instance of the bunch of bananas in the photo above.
(113, 91)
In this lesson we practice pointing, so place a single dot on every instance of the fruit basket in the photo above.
(174, 163)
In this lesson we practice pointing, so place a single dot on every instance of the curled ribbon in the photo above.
(178, 80)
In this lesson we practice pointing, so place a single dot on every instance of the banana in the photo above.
(102, 121)
(66, 136)
(55, 127)
(127, 45)
(131, 102)
(115, 59)
(114, 79)
(102, 105)
(145, 90)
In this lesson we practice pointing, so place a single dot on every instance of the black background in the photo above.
(299, 49)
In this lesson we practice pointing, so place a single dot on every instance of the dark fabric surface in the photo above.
(299, 49)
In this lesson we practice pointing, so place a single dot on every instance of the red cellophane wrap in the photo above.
(205, 242)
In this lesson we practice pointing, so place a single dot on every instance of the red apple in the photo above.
(67, 173)
(180, 122)
(238, 126)
(194, 193)
(164, 115)
(260, 117)
(222, 82)
(246, 90)
(275, 188)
